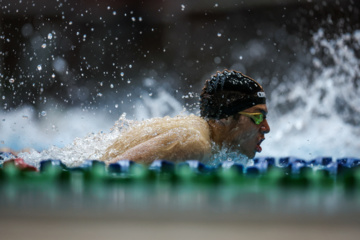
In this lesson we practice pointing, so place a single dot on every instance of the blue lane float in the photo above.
(261, 164)
(338, 169)
(122, 166)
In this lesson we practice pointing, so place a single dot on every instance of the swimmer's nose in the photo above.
(265, 128)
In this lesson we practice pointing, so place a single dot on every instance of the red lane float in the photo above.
(21, 164)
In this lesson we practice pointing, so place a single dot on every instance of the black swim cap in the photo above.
(229, 92)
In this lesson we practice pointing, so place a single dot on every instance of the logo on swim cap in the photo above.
(261, 94)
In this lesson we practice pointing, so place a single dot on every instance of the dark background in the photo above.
(99, 53)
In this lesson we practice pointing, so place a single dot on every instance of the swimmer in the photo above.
(233, 115)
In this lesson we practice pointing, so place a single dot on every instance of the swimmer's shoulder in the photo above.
(194, 129)
(190, 119)
(191, 137)
(192, 122)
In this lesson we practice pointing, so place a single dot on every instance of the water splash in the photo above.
(90, 147)
(323, 114)
(224, 154)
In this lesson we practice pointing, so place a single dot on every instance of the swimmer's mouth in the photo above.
(258, 147)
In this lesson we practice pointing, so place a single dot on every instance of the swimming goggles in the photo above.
(256, 117)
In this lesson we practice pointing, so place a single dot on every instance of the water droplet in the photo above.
(11, 80)
(108, 7)
(39, 67)
(182, 7)
(43, 45)
(133, 19)
(111, 85)
(50, 36)
(241, 57)
(130, 66)
(116, 105)
(219, 34)
(122, 74)
(53, 75)
(114, 13)
(99, 95)
(43, 113)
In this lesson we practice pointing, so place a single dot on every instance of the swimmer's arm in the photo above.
(169, 146)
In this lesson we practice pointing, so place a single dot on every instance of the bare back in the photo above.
(173, 139)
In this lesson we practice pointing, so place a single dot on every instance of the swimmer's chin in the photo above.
(250, 156)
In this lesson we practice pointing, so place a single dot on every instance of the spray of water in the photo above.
(324, 118)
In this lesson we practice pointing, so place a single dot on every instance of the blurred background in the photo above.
(69, 68)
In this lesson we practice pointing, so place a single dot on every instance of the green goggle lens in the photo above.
(256, 117)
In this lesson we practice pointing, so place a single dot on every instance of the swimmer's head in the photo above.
(228, 92)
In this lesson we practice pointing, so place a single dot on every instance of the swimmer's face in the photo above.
(242, 134)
